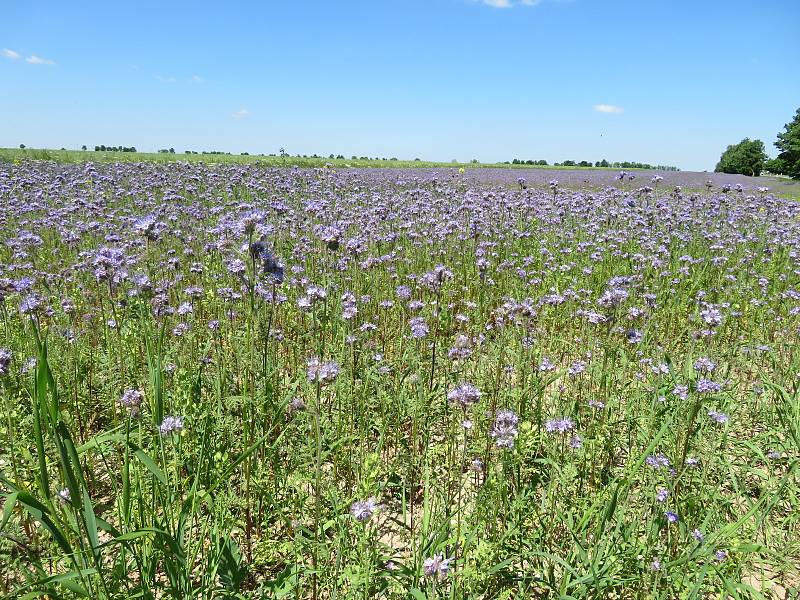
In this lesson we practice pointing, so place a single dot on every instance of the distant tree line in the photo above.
(103, 148)
(600, 163)
(519, 161)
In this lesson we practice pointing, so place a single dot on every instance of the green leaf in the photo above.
(42, 514)
(148, 462)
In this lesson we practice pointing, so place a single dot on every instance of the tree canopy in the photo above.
(746, 158)
(788, 161)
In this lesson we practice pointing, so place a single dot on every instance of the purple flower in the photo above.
(504, 431)
(561, 425)
(576, 368)
(711, 316)
(634, 336)
(321, 372)
(659, 461)
(545, 365)
(437, 566)
(662, 494)
(30, 304)
(612, 297)
(465, 394)
(461, 349)
(181, 329)
(704, 364)
(297, 405)
(403, 292)
(655, 565)
(681, 391)
(363, 510)
(132, 399)
(671, 517)
(170, 425)
(718, 417)
(706, 386)
(419, 329)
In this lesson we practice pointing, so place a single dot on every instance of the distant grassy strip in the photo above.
(75, 156)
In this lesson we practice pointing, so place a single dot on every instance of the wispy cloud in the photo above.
(197, 79)
(609, 109)
(38, 60)
(10, 54)
(508, 3)
(163, 79)
(241, 113)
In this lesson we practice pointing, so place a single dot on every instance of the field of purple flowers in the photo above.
(235, 381)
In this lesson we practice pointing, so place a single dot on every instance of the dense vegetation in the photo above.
(230, 380)
(597, 164)
(788, 161)
(313, 160)
(746, 158)
(749, 157)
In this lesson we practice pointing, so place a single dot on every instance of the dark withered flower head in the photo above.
(269, 264)
(331, 235)
(5, 360)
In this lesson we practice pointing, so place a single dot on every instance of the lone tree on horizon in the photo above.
(745, 158)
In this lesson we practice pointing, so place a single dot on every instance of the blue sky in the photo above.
(435, 79)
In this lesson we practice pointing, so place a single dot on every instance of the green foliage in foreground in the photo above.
(252, 498)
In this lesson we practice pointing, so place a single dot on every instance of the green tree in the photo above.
(788, 161)
(746, 158)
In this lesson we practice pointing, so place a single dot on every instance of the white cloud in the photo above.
(163, 79)
(38, 60)
(10, 54)
(241, 113)
(197, 79)
(609, 109)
